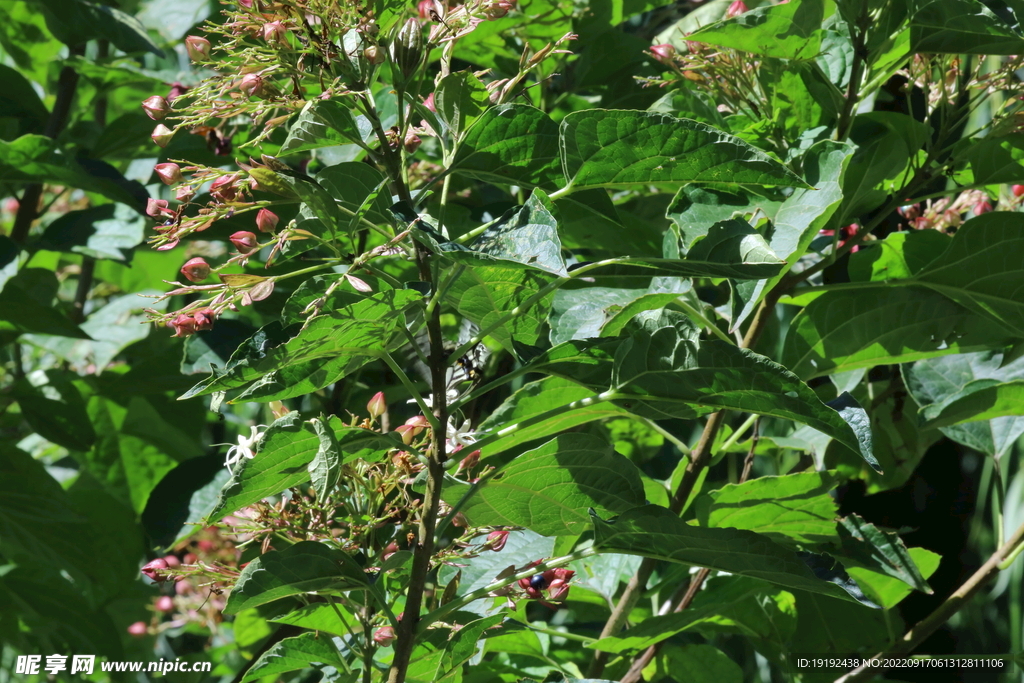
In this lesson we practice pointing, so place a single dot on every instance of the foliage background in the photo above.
(101, 465)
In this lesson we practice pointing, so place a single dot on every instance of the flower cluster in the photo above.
(553, 581)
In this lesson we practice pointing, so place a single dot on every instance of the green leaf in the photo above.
(663, 366)
(888, 591)
(623, 148)
(653, 531)
(460, 99)
(960, 26)
(789, 31)
(539, 397)
(318, 617)
(57, 412)
(351, 183)
(882, 154)
(110, 231)
(729, 604)
(305, 567)
(801, 216)
(325, 470)
(901, 255)
(521, 546)
(350, 332)
(880, 551)
(734, 244)
(511, 144)
(19, 101)
(26, 305)
(321, 123)
(996, 159)
(38, 159)
(701, 663)
(549, 489)
(465, 642)
(184, 497)
(846, 329)
(983, 268)
(292, 654)
(486, 293)
(824, 625)
(937, 383)
(791, 508)
(695, 209)
(75, 21)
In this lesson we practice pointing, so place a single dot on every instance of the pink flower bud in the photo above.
(735, 9)
(169, 174)
(153, 569)
(374, 55)
(244, 241)
(460, 520)
(407, 433)
(164, 603)
(138, 629)
(470, 461)
(157, 207)
(663, 52)
(156, 107)
(423, 7)
(984, 206)
(266, 220)
(498, 9)
(184, 326)
(172, 561)
(162, 135)
(496, 540)
(429, 103)
(184, 193)
(1018, 190)
(198, 48)
(196, 270)
(223, 188)
(204, 319)
(274, 32)
(251, 85)
(412, 142)
(384, 636)
(377, 405)
(358, 284)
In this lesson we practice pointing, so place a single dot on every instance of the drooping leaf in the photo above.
(888, 591)
(305, 567)
(653, 531)
(789, 31)
(612, 148)
(325, 470)
(512, 144)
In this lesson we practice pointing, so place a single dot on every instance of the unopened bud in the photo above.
(384, 636)
(157, 207)
(984, 206)
(169, 174)
(162, 135)
(266, 220)
(184, 326)
(251, 85)
(164, 603)
(196, 270)
(374, 55)
(407, 433)
(377, 405)
(244, 241)
(498, 9)
(1018, 190)
(429, 103)
(274, 32)
(358, 284)
(198, 48)
(184, 193)
(153, 569)
(663, 52)
(737, 8)
(223, 188)
(407, 50)
(470, 461)
(138, 629)
(412, 142)
(156, 107)
(496, 540)
(205, 318)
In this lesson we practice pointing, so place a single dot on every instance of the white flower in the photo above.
(244, 449)
(463, 436)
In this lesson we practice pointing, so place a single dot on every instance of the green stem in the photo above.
(411, 387)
